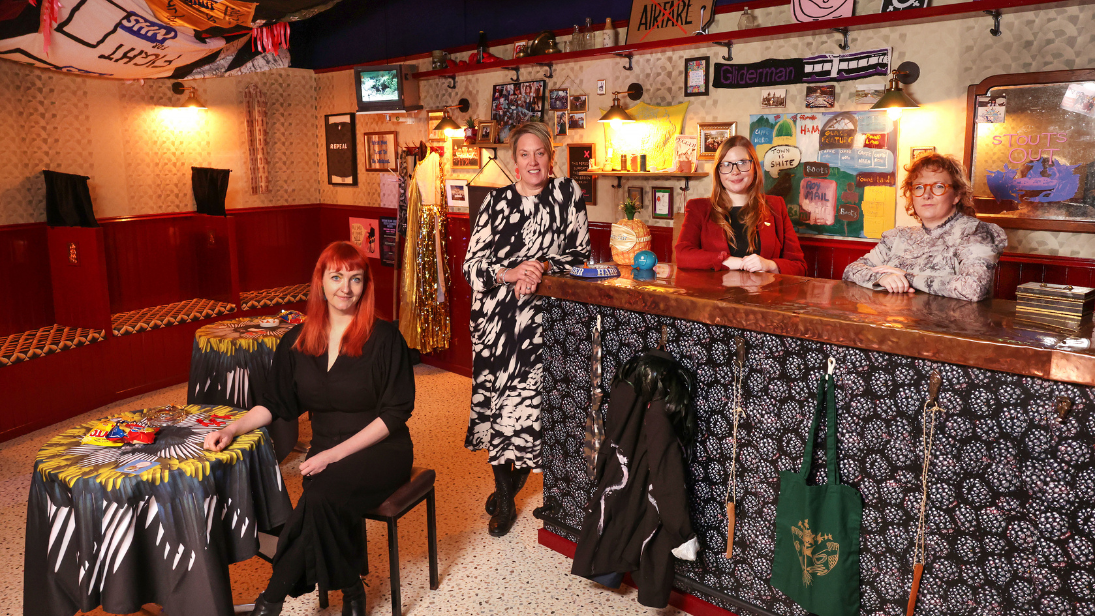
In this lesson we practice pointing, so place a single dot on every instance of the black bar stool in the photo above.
(417, 489)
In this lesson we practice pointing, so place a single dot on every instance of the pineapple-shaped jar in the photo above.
(629, 236)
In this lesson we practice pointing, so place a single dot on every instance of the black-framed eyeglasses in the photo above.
(743, 166)
(938, 189)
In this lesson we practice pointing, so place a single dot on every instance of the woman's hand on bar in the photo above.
(757, 263)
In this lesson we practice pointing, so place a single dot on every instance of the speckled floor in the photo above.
(479, 574)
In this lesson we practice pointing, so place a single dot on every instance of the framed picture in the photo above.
(576, 121)
(773, 98)
(560, 124)
(513, 104)
(380, 151)
(578, 103)
(710, 135)
(456, 194)
(602, 87)
(434, 116)
(696, 82)
(1021, 178)
(464, 156)
(635, 193)
(558, 99)
(684, 152)
(662, 196)
(485, 132)
(520, 47)
(820, 97)
(917, 152)
(579, 158)
(341, 137)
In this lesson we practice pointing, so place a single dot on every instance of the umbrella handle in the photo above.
(918, 570)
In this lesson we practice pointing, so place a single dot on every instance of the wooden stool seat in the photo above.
(417, 489)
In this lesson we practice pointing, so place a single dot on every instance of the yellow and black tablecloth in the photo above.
(163, 533)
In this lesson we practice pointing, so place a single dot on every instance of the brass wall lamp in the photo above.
(192, 101)
(616, 114)
(895, 99)
(447, 123)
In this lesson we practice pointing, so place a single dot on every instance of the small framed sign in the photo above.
(341, 153)
(380, 151)
(662, 196)
(695, 76)
(464, 156)
(580, 156)
(710, 137)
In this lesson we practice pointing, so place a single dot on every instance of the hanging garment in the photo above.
(638, 515)
(68, 200)
(423, 310)
(210, 189)
(816, 560)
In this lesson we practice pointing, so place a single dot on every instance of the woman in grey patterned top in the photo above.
(951, 253)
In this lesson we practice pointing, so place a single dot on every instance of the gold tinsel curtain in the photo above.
(424, 309)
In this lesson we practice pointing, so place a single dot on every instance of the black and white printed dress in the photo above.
(505, 330)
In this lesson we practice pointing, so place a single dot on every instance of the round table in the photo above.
(164, 534)
(230, 365)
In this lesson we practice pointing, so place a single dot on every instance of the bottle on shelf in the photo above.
(481, 48)
(591, 38)
(747, 20)
(577, 39)
(608, 38)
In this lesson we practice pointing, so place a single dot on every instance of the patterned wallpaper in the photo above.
(137, 149)
(138, 152)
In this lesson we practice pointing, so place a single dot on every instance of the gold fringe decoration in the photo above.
(423, 320)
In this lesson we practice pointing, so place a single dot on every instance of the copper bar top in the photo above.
(979, 334)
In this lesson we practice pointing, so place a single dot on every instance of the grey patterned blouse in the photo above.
(956, 259)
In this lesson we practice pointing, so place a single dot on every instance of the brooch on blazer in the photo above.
(767, 224)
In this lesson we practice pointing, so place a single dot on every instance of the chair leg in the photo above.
(365, 540)
(393, 563)
(431, 532)
(323, 599)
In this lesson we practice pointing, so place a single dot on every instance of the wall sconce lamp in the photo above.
(616, 114)
(447, 123)
(192, 101)
(894, 100)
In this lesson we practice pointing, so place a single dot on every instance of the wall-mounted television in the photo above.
(386, 88)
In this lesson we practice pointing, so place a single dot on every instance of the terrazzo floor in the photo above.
(479, 574)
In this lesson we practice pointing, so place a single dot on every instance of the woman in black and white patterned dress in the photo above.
(535, 225)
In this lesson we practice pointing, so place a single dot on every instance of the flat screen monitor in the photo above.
(386, 87)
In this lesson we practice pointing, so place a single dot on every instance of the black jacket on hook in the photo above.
(638, 518)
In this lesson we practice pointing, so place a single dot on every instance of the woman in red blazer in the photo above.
(739, 227)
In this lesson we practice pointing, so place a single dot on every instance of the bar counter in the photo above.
(1010, 520)
(979, 334)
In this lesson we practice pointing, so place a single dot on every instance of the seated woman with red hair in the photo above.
(353, 372)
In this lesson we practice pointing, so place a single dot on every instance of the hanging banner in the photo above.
(654, 133)
(815, 69)
(203, 14)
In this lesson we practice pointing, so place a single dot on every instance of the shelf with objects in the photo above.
(619, 175)
(993, 9)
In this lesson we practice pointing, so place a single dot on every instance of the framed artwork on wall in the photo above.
(635, 193)
(710, 135)
(485, 132)
(1035, 167)
(513, 104)
(456, 195)
(696, 82)
(464, 156)
(380, 151)
(434, 116)
(559, 99)
(916, 152)
(662, 196)
(340, 131)
(579, 158)
(578, 103)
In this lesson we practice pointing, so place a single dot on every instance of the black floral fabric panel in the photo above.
(1011, 509)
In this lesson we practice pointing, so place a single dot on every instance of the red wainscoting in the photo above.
(139, 262)
(26, 298)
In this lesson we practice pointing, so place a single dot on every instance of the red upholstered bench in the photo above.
(38, 342)
(125, 323)
(276, 296)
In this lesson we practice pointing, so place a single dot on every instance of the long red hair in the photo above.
(752, 213)
(346, 257)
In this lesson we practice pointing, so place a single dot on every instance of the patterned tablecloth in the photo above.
(164, 534)
(230, 364)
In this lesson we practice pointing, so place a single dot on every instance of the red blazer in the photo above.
(702, 242)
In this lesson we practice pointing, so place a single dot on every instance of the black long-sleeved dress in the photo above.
(506, 330)
(325, 527)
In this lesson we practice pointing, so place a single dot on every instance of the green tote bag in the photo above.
(816, 560)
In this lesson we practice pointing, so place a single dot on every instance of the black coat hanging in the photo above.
(68, 200)
(210, 189)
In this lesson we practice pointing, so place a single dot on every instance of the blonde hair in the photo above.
(946, 164)
(537, 129)
(754, 211)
